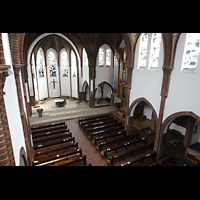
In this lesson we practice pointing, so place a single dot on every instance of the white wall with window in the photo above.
(104, 68)
(184, 87)
(147, 72)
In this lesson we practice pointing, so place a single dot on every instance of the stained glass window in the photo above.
(101, 57)
(155, 50)
(40, 62)
(52, 63)
(108, 57)
(191, 50)
(64, 63)
(143, 50)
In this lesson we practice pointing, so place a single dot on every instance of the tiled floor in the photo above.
(93, 156)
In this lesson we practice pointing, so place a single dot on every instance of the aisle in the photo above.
(92, 155)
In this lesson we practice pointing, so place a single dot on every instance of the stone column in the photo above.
(164, 93)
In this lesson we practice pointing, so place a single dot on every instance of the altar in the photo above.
(60, 102)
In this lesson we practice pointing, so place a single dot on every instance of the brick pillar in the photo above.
(17, 69)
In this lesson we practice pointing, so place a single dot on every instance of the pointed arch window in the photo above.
(64, 63)
(143, 50)
(52, 63)
(40, 62)
(108, 57)
(155, 50)
(192, 49)
(101, 57)
(73, 64)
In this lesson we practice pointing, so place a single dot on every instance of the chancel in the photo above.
(118, 99)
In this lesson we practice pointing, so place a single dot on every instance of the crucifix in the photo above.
(53, 83)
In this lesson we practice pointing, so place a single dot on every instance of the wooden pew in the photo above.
(55, 149)
(118, 141)
(96, 121)
(49, 129)
(48, 138)
(162, 161)
(129, 153)
(140, 160)
(75, 161)
(86, 120)
(48, 125)
(57, 157)
(123, 146)
(105, 132)
(113, 136)
(86, 127)
(104, 127)
(49, 133)
(52, 143)
(78, 162)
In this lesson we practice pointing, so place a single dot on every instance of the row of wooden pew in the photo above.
(55, 146)
(110, 138)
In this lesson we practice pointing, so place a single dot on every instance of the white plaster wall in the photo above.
(85, 70)
(104, 73)
(12, 105)
(184, 87)
(65, 84)
(74, 79)
(147, 111)
(147, 82)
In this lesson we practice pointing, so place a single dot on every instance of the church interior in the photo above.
(99, 99)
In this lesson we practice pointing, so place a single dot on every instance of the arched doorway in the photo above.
(85, 91)
(103, 95)
(22, 157)
(179, 131)
(143, 119)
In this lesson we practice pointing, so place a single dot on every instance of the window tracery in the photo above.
(101, 57)
(192, 50)
(108, 57)
(155, 50)
(143, 50)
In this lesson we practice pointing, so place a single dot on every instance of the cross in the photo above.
(53, 83)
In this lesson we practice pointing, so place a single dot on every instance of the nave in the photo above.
(99, 141)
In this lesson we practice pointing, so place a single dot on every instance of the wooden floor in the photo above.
(141, 124)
